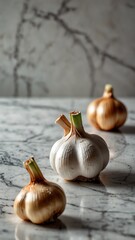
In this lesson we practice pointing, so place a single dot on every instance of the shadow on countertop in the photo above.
(118, 178)
(128, 129)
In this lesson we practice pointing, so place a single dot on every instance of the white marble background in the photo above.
(66, 47)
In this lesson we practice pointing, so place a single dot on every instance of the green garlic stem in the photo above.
(33, 169)
(76, 120)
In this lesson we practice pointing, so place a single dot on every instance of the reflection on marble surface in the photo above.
(100, 210)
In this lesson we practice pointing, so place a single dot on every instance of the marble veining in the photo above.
(101, 210)
(66, 47)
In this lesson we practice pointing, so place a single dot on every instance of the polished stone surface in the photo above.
(48, 47)
(101, 210)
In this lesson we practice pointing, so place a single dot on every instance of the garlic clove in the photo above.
(92, 112)
(40, 201)
(89, 159)
(100, 142)
(65, 160)
(54, 151)
(19, 205)
(106, 114)
(121, 114)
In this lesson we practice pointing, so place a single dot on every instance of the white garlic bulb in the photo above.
(78, 155)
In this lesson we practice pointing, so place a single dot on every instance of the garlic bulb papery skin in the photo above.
(79, 155)
(107, 113)
(40, 201)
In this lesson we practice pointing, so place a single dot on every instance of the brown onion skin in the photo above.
(107, 113)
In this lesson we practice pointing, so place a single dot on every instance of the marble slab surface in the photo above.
(103, 210)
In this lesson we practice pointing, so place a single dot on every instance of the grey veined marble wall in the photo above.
(66, 47)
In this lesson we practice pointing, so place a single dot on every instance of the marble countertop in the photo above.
(101, 210)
